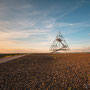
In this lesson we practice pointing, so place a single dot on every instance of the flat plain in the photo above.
(69, 71)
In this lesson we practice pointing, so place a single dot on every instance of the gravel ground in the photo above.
(46, 72)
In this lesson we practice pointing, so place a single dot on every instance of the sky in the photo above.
(32, 25)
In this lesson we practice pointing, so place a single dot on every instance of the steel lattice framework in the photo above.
(59, 44)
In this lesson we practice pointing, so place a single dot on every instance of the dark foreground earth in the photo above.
(46, 72)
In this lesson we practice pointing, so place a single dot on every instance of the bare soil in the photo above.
(46, 72)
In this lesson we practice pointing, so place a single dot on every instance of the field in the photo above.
(47, 72)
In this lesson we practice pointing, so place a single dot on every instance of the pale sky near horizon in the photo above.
(32, 25)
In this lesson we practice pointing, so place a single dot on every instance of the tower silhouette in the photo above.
(59, 44)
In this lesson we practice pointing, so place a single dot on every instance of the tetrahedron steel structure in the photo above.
(59, 44)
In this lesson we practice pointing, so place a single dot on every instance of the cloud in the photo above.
(21, 34)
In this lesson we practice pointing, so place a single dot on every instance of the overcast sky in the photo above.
(32, 25)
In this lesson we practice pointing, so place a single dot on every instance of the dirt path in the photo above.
(6, 59)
